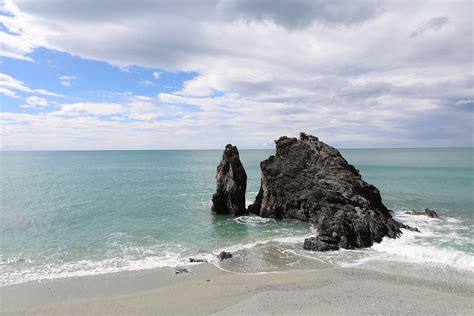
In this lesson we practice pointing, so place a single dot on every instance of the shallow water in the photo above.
(81, 213)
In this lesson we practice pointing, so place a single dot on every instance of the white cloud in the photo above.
(8, 92)
(146, 83)
(66, 80)
(17, 43)
(10, 83)
(135, 107)
(35, 102)
(65, 77)
(143, 116)
(117, 118)
(356, 74)
(90, 108)
(14, 46)
(141, 98)
(200, 87)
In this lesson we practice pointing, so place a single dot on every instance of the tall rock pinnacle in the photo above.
(231, 181)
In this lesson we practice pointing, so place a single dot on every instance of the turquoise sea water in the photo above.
(88, 212)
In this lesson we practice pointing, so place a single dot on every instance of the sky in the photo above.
(167, 74)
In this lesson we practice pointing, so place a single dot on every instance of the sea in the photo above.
(78, 213)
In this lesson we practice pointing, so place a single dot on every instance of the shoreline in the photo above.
(207, 289)
(405, 249)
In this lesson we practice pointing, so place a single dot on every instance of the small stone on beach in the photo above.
(224, 255)
(181, 270)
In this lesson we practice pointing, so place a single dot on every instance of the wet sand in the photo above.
(209, 290)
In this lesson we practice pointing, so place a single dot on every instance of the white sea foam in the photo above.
(132, 259)
(281, 240)
(453, 220)
(427, 247)
(60, 269)
(254, 220)
(404, 249)
(15, 260)
(432, 245)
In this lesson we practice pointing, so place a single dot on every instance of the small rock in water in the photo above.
(431, 213)
(321, 243)
(181, 270)
(197, 260)
(224, 255)
(427, 212)
(413, 229)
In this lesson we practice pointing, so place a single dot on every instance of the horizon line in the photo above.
(214, 149)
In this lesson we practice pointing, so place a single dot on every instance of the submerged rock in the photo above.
(321, 243)
(311, 181)
(427, 212)
(231, 181)
(224, 255)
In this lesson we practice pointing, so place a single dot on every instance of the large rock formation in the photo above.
(231, 182)
(311, 181)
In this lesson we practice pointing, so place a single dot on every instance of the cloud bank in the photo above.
(355, 73)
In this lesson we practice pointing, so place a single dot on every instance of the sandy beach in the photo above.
(206, 290)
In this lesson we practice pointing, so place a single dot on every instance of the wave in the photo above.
(254, 220)
(435, 243)
(59, 269)
(281, 240)
(405, 249)
(126, 258)
(438, 244)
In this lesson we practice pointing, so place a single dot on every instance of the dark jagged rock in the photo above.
(197, 260)
(427, 212)
(256, 206)
(321, 243)
(224, 255)
(231, 181)
(413, 229)
(431, 213)
(311, 181)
